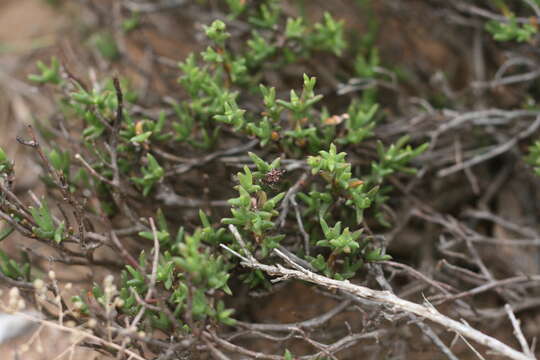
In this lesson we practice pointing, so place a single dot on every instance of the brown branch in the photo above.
(61, 182)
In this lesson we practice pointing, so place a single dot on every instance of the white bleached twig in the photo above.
(386, 298)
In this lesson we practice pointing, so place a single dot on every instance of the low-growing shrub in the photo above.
(191, 203)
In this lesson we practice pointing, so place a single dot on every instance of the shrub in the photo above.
(260, 173)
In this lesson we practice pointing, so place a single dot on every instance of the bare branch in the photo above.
(388, 299)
